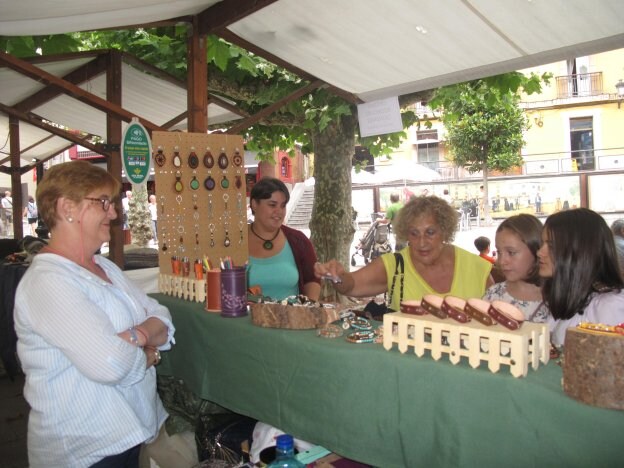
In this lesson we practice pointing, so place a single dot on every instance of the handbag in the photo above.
(377, 311)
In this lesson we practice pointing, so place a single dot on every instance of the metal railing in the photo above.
(596, 160)
(579, 85)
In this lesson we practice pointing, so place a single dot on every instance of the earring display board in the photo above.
(202, 207)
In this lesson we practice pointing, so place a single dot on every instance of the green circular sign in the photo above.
(136, 151)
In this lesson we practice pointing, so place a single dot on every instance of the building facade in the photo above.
(573, 153)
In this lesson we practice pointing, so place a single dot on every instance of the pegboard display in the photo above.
(201, 197)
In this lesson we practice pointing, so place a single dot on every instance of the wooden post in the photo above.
(113, 133)
(16, 178)
(197, 81)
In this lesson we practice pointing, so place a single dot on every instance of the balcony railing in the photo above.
(596, 160)
(580, 85)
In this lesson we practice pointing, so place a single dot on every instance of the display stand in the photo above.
(495, 345)
(202, 208)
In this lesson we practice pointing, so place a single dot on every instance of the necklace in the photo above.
(268, 243)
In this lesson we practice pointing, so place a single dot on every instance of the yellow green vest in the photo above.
(469, 278)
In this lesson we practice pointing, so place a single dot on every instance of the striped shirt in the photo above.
(89, 391)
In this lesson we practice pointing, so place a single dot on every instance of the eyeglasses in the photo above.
(106, 203)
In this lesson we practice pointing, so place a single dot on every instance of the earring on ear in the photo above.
(70, 219)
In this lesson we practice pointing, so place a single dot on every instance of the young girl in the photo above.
(582, 281)
(517, 240)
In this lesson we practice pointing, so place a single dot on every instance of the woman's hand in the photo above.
(332, 270)
(368, 281)
(152, 356)
(335, 272)
(153, 332)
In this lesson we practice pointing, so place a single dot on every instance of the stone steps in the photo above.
(300, 215)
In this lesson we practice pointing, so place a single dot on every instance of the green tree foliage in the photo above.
(485, 124)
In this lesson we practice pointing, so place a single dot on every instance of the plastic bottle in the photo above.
(285, 453)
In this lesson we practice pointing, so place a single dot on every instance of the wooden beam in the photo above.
(37, 143)
(212, 99)
(38, 122)
(29, 167)
(222, 14)
(197, 78)
(144, 66)
(176, 120)
(72, 90)
(113, 138)
(273, 107)
(89, 70)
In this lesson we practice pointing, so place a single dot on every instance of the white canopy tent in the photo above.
(399, 172)
(369, 48)
(365, 48)
(143, 93)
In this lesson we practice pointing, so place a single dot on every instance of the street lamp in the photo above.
(620, 91)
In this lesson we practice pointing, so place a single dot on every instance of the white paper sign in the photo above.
(380, 117)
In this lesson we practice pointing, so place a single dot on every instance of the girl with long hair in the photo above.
(579, 267)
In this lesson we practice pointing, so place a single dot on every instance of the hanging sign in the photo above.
(136, 151)
(380, 117)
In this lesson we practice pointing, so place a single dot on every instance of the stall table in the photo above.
(386, 408)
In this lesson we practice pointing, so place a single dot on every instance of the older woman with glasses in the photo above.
(431, 263)
(88, 338)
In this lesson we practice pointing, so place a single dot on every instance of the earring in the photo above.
(70, 219)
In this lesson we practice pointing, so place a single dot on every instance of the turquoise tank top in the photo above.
(277, 275)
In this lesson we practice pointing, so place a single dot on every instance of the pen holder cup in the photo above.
(234, 292)
(213, 290)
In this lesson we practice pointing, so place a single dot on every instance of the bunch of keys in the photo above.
(332, 278)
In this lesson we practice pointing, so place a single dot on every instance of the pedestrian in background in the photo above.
(153, 209)
(31, 214)
(7, 212)
(482, 244)
(391, 213)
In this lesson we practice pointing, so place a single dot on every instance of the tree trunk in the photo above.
(331, 223)
(139, 217)
(487, 220)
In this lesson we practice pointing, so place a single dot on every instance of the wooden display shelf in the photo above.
(495, 345)
(186, 288)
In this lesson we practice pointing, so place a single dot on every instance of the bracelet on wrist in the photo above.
(134, 339)
(142, 333)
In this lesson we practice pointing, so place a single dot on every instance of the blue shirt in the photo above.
(277, 275)
(89, 391)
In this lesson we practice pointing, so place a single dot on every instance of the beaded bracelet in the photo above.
(134, 339)
(359, 323)
(361, 337)
(329, 331)
(143, 334)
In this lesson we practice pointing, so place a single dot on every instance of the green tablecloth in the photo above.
(386, 408)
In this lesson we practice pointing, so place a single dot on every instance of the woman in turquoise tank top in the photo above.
(281, 259)
(432, 264)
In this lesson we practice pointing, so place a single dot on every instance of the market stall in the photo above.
(383, 407)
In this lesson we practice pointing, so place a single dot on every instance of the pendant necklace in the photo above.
(268, 243)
